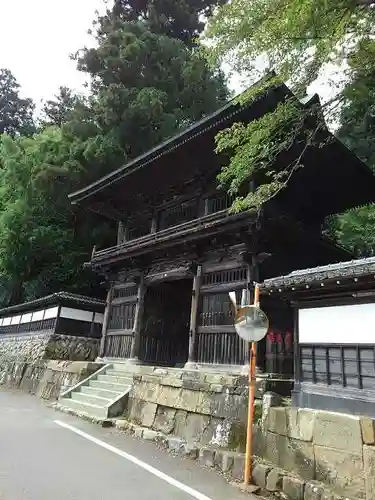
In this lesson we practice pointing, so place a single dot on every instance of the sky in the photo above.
(36, 38)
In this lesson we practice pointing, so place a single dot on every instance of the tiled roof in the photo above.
(55, 298)
(349, 269)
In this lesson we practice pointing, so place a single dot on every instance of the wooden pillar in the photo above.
(107, 316)
(194, 314)
(138, 317)
(154, 223)
(121, 232)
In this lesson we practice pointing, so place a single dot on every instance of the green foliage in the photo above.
(146, 86)
(179, 19)
(16, 113)
(41, 250)
(148, 80)
(62, 109)
(254, 148)
(356, 228)
(297, 39)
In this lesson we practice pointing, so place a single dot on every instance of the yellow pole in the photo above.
(250, 412)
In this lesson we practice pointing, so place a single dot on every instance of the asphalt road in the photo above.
(47, 455)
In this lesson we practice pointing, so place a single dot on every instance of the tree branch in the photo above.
(365, 3)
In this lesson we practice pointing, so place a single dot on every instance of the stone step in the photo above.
(111, 386)
(89, 398)
(120, 367)
(101, 393)
(115, 379)
(86, 408)
(119, 374)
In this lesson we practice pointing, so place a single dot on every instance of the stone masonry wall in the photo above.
(198, 407)
(24, 362)
(47, 346)
(46, 379)
(324, 450)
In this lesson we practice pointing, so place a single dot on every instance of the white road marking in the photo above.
(149, 468)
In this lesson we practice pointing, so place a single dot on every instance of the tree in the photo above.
(61, 109)
(356, 228)
(43, 245)
(180, 19)
(296, 38)
(16, 113)
(146, 85)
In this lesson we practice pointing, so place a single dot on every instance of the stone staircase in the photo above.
(102, 395)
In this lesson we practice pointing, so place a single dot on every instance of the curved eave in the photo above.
(344, 275)
(225, 113)
(56, 299)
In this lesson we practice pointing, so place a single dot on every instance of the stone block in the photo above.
(292, 422)
(148, 413)
(238, 467)
(274, 480)
(135, 410)
(218, 458)
(138, 432)
(189, 450)
(197, 375)
(122, 424)
(196, 426)
(342, 471)
(195, 385)
(369, 466)
(165, 419)
(313, 491)
(225, 405)
(169, 396)
(210, 429)
(204, 403)
(277, 421)
(290, 454)
(175, 444)
(368, 430)
(229, 433)
(186, 400)
(206, 457)
(335, 430)
(260, 473)
(214, 378)
(227, 461)
(216, 387)
(180, 423)
(172, 381)
(150, 435)
(305, 424)
(328, 495)
(149, 378)
(293, 488)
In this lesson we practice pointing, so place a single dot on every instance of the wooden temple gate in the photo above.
(190, 320)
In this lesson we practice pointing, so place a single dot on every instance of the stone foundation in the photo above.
(199, 407)
(46, 379)
(34, 347)
(325, 450)
(300, 453)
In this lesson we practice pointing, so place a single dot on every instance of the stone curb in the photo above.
(267, 478)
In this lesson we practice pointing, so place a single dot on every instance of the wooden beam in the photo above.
(194, 314)
(107, 315)
(138, 318)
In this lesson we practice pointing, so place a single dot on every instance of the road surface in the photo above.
(47, 455)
